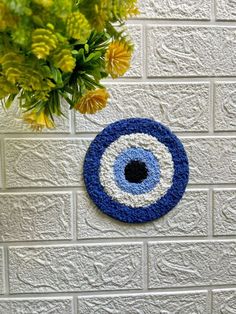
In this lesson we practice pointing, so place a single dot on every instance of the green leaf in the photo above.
(93, 56)
(9, 101)
(74, 52)
(86, 48)
(81, 55)
(56, 75)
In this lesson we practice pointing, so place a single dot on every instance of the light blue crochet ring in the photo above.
(137, 154)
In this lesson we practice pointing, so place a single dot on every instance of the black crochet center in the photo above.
(136, 171)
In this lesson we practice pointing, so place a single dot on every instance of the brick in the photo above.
(225, 106)
(224, 301)
(184, 303)
(1, 271)
(226, 10)
(183, 264)
(211, 160)
(191, 51)
(189, 218)
(135, 33)
(175, 9)
(224, 212)
(183, 107)
(35, 216)
(36, 306)
(10, 121)
(75, 268)
(44, 162)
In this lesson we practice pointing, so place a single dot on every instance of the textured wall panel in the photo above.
(224, 301)
(180, 264)
(191, 51)
(225, 106)
(184, 303)
(75, 268)
(135, 32)
(36, 306)
(183, 107)
(226, 10)
(44, 162)
(212, 160)
(35, 216)
(189, 218)
(225, 212)
(175, 9)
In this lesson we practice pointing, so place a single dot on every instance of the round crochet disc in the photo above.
(136, 170)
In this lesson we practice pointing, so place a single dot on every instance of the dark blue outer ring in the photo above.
(120, 211)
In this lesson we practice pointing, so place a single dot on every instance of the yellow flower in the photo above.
(43, 42)
(7, 88)
(118, 57)
(92, 101)
(133, 11)
(64, 60)
(100, 16)
(130, 9)
(38, 120)
(12, 64)
(78, 26)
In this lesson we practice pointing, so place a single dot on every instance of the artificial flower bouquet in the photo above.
(60, 49)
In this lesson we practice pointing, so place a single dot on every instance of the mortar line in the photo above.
(131, 292)
(80, 188)
(89, 136)
(212, 22)
(118, 241)
(169, 79)
(213, 12)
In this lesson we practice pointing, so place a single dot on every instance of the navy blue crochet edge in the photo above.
(120, 211)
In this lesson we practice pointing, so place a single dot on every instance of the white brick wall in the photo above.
(36, 216)
(75, 268)
(60, 255)
(192, 51)
(224, 301)
(145, 303)
(187, 264)
(37, 306)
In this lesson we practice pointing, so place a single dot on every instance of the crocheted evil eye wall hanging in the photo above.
(136, 170)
